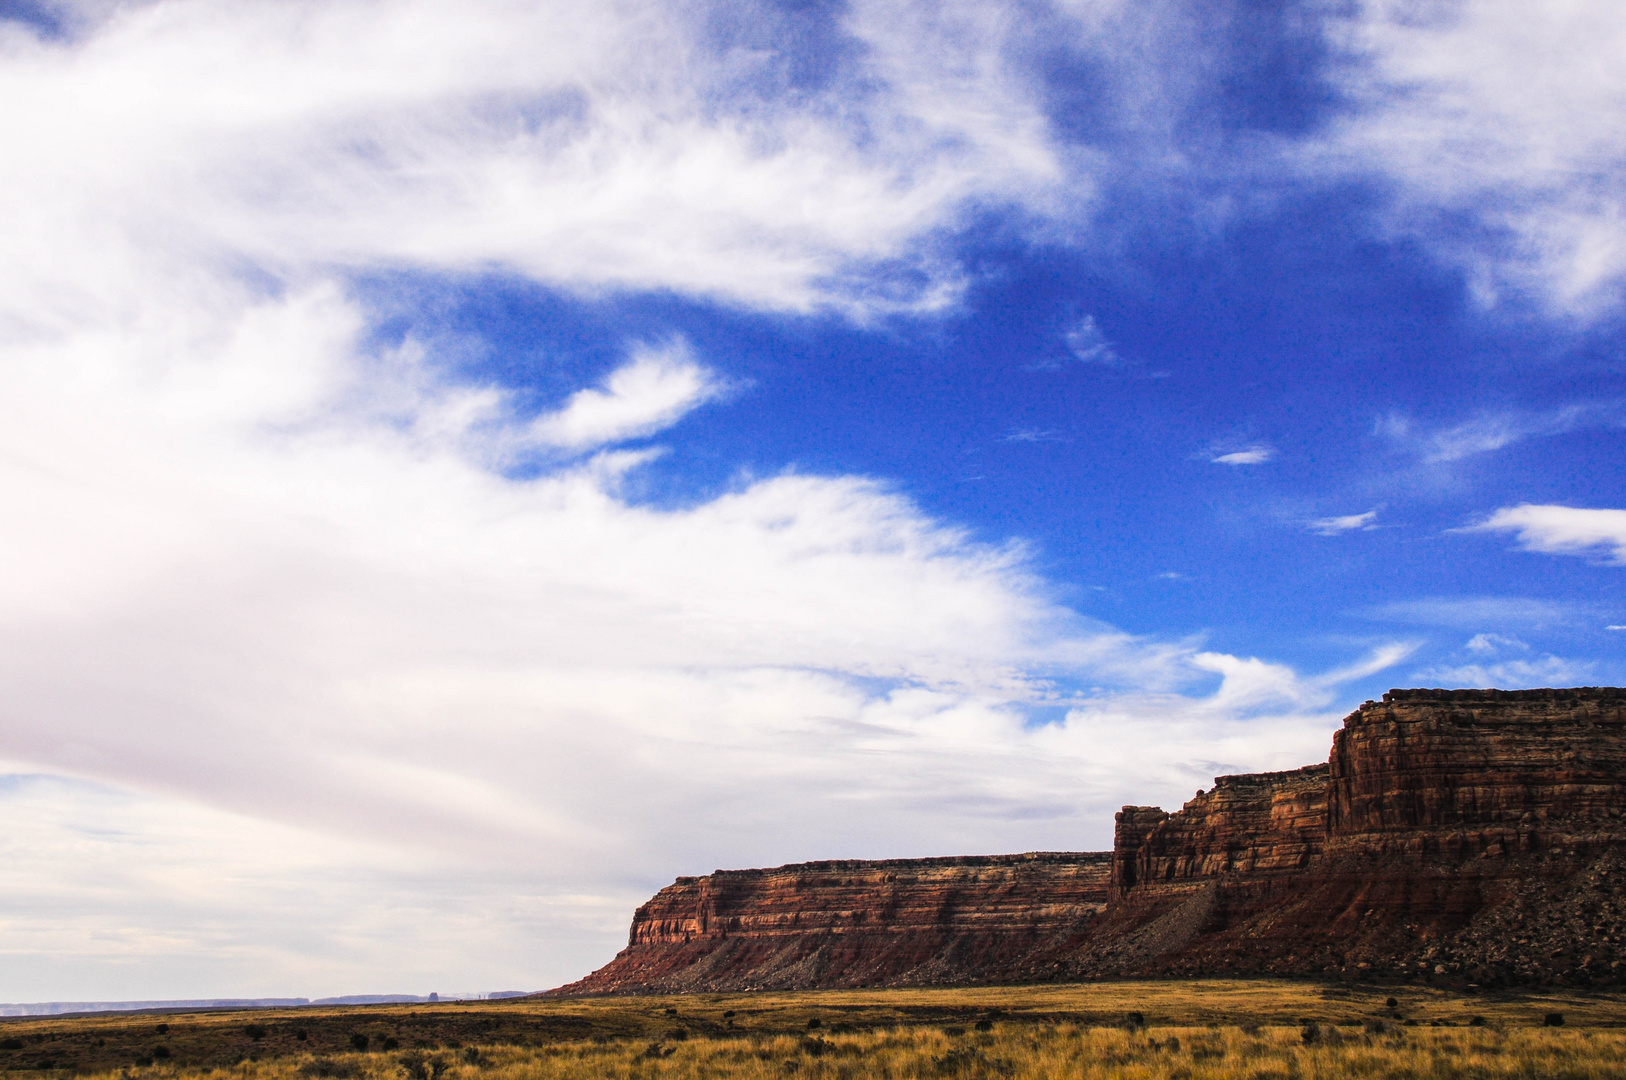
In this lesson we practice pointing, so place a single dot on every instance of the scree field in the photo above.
(1197, 1030)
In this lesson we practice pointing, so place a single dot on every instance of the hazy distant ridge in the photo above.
(58, 1008)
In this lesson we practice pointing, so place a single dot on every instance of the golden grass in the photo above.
(1007, 1050)
(1172, 1002)
(1061, 1031)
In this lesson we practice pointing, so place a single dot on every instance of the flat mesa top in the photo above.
(943, 861)
(1569, 693)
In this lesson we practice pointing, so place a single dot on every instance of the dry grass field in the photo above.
(1196, 1030)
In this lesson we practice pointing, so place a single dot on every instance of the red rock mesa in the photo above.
(1455, 835)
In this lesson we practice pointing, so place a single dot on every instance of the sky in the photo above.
(468, 464)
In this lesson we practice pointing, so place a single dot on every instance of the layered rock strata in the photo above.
(1470, 772)
(1256, 823)
(1439, 816)
(1464, 834)
(893, 922)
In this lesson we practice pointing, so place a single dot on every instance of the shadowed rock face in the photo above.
(1464, 772)
(1467, 834)
(1439, 815)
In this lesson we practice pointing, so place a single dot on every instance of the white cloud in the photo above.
(623, 147)
(647, 146)
(1333, 526)
(655, 389)
(1562, 530)
(1256, 454)
(1501, 129)
(1379, 659)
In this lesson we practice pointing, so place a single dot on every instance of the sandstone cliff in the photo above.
(854, 923)
(1465, 834)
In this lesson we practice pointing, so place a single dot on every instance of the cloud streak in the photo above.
(1334, 526)
(1493, 431)
(1479, 612)
(1257, 454)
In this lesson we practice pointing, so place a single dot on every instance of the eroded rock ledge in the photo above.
(1452, 834)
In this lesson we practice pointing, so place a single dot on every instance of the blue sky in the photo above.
(471, 464)
(1278, 438)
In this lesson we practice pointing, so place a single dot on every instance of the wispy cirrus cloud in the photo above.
(516, 137)
(1199, 740)
(1480, 612)
(1492, 431)
(1033, 435)
(1512, 674)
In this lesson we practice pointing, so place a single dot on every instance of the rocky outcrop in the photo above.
(894, 922)
(1259, 823)
(1463, 834)
(1131, 827)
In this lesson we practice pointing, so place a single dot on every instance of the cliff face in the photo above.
(1257, 823)
(854, 923)
(1471, 834)
(1468, 772)
(1439, 815)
